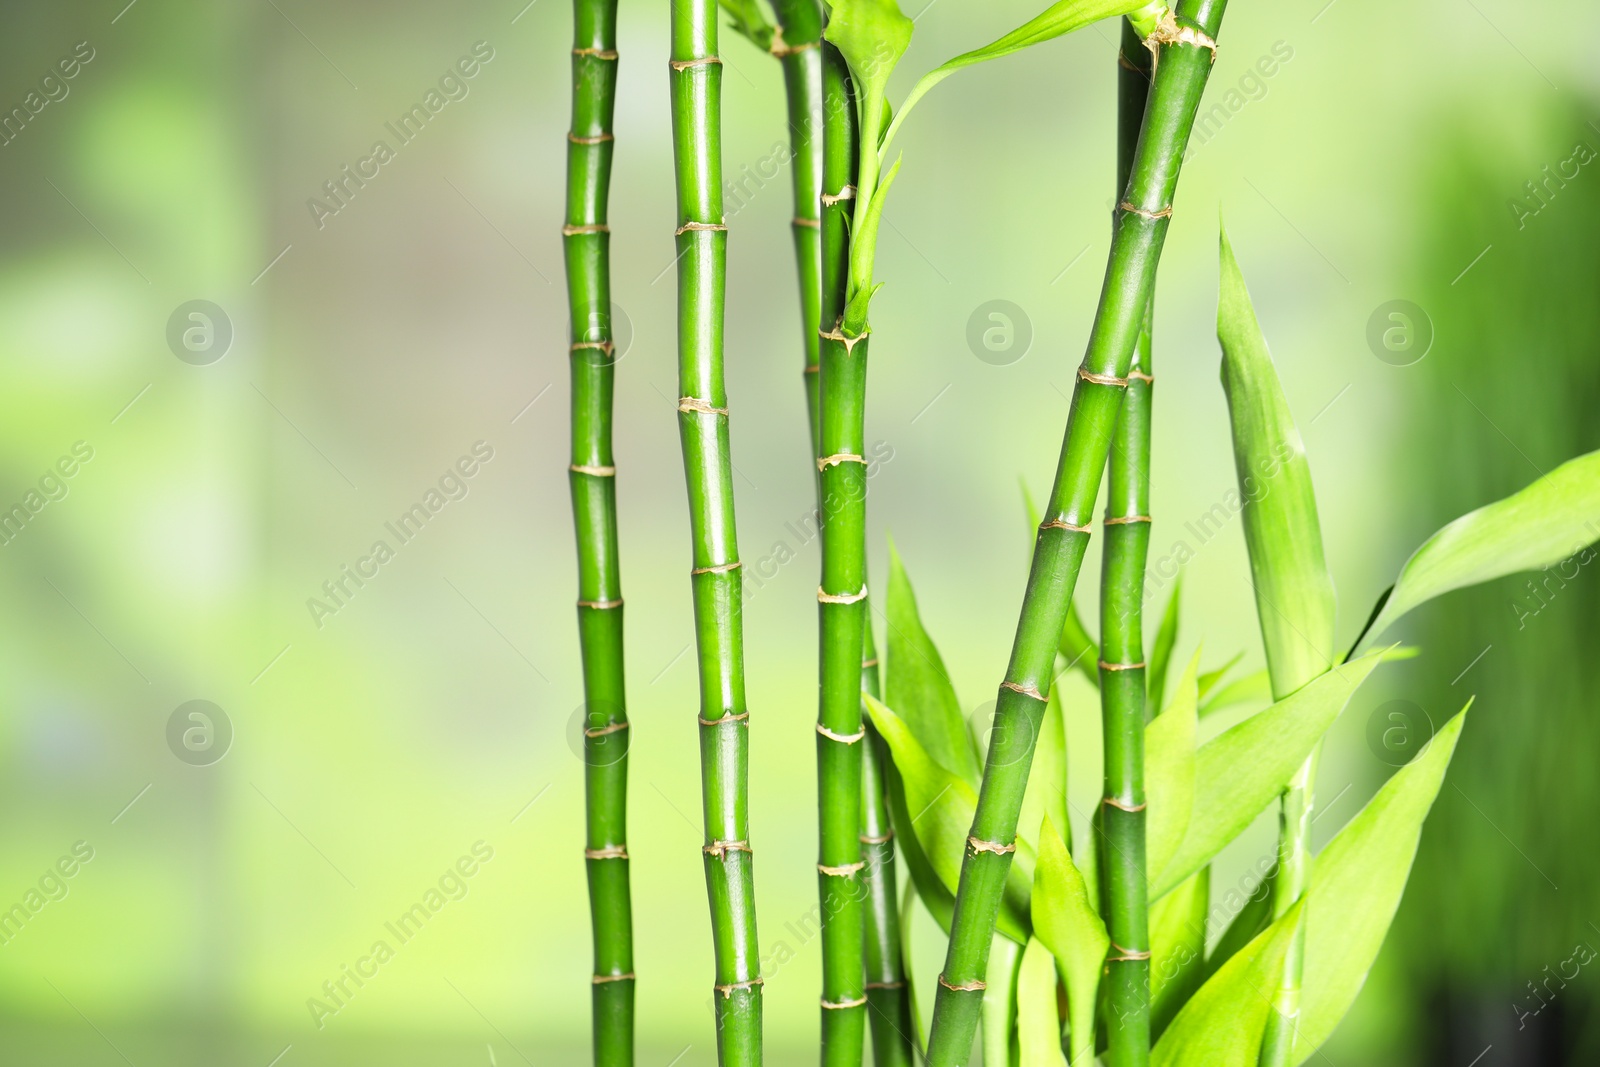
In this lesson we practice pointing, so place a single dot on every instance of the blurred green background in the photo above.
(370, 748)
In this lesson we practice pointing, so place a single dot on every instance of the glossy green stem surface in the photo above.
(1140, 226)
(696, 82)
(1122, 669)
(594, 509)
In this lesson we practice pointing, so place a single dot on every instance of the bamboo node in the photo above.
(840, 598)
(604, 346)
(598, 472)
(843, 739)
(884, 985)
(978, 844)
(828, 1005)
(965, 987)
(742, 718)
(1027, 689)
(727, 991)
(1164, 213)
(610, 852)
(720, 849)
(689, 404)
(1117, 803)
(781, 49)
(602, 979)
(848, 192)
(1168, 31)
(810, 224)
(1122, 955)
(869, 663)
(842, 338)
(1140, 375)
(608, 728)
(847, 871)
(1123, 520)
(838, 458)
(720, 568)
(599, 138)
(812, 369)
(575, 231)
(1101, 379)
(595, 53)
(1062, 524)
(704, 61)
(884, 840)
(1122, 666)
(699, 227)
(601, 605)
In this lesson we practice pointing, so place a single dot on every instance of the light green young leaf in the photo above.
(1177, 948)
(1166, 638)
(1038, 1025)
(1067, 923)
(1055, 21)
(1210, 679)
(1556, 517)
(918, 687)
(1222, 1024)
(871, 35)
(862, 246)
(1169, 760)
(1356, 886)
(1241, 771)
(1000, 999)
(749, 21)
(939, 900)
(1294, 593)
(1253, 688)
(939, 807)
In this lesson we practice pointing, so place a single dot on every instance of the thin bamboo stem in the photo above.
(1122, 670)
(1141, 220)
(594, 508)
(696, 84)
(842, 611)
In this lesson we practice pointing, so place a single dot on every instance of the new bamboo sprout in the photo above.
(696, 80)
(1185, 52)
(594, 509)
(1122, 668)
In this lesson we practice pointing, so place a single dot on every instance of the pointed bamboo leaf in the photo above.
(1169, 755)
(1055, 21)
(1000, 999)
(1222, 1024)
(1166, 638)
(918, 687)
(1038, 1024)
(1294, 594)
(939, 807)
(1356, 886)
(872, 35)
(1210, 679)
(749, 22)
(1555, 518)
(1255, 688)
(1241, 771)
(1177, 948)
(1067, 923)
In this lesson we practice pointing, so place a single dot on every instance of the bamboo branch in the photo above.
(594, 508)
(1184, 57)
(696, 83)
(1122, 670)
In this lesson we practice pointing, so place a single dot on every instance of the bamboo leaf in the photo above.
(1253, 915)
(749, 22)
(1210, 679)
(1294, 594)
(1055, 21)
(1239, 772)
(938, 807)
(917, 685)
(1069, 926)
(1177, 948)
(1038, 1025)
(1554, 518)
(1356, 886)
(1169, 755)
(871, 35)
(854, 322)
(1222, 1024)
(1252, 688)
(1166, 638)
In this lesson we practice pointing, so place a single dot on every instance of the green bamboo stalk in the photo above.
(1122, 669)
(1186, 51)
(842, 610)
(594, 509)
(696, 84)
